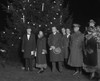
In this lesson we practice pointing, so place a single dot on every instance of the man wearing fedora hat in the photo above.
(76, 47)
(28, 48)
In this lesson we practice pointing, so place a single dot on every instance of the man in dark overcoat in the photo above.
(55, 44)
(65, 42)
(28, 48)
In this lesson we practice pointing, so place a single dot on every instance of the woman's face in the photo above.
(91, 24)
(63, 30)
(40, 35)
(54, 29)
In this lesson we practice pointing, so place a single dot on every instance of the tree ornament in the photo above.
(28, 22)
(3, 32)
(57, 13)
(12, 32)
(33, 24)
(23, 18)
(39, 25)
(54, 18)
(28, 0)
(23, 8)
(42, 6)
(15, 28)
(60, 19)
(51, 23)
(46, 25)
(19, 37)
(12, 44)
(10, 7)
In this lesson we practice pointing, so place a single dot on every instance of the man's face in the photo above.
(28, 31)
(54, 29)
(76, 29)
(68, 31)
(63, 30)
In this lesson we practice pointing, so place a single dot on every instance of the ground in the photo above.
(15, 73)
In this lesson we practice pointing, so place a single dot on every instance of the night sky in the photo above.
(83, 11)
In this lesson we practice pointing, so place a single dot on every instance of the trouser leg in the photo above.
(26, 64)
(30, 64)
(53, 66)
(60, 66)
(33, 63)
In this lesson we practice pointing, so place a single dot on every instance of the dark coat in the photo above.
(41, 44)
(55, 40)
(76, 47)
(28, 45)
(91, 57)
(65, 45)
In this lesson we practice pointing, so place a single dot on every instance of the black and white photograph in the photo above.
(50, 40)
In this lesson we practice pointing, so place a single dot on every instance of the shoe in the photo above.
(40, 71)
(34, 68)
(76, 72)
(26, 70)
(60, 70)
(92, 75)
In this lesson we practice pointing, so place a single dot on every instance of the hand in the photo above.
(52, 47)
(22, 50)
(44, 51)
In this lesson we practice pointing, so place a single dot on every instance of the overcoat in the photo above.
(65, 45)
(41, 45)
(76, 47)
(56, 40)
(28, 45)
(90, 60)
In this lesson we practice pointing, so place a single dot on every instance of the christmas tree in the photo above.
(38, 14)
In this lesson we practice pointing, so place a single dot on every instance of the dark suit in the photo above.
(28, 46)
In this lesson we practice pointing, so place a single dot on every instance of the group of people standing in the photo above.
(75, 47)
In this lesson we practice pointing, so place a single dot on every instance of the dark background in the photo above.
(83, 11)
(3, 15)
